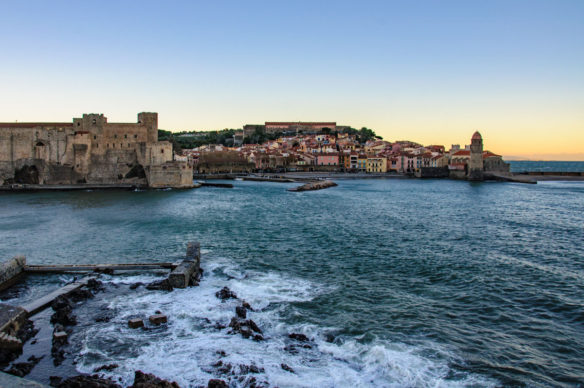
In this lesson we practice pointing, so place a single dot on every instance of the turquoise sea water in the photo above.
(398, 282)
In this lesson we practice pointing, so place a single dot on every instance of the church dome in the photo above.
(477, 136)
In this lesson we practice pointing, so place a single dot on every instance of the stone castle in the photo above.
(90, 150)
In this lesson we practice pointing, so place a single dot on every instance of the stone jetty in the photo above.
(318, 185)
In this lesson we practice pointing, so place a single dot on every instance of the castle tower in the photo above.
(475, 165)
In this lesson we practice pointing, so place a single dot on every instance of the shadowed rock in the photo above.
(225, 293)
(163, 285)
(147, 380)
(83, 381)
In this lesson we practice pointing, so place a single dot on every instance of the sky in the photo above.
(427, 71)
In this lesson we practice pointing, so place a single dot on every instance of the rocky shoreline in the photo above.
(63, 319)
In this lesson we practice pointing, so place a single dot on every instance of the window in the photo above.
(94, 121)
(135, 136)
(161, 151)
(94, 137)
(115, 136)
(125, 136)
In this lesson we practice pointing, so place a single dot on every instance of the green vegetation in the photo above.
(363, 135)
(259, 136)
(188, 140)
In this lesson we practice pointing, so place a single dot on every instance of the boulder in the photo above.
(225, 293)
(147, 380)
(216, 383)
(157, 319)
(241, 312)
(298, 337)
(135, 323)
(83, 381)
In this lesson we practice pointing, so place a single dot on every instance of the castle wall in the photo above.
(171, 174)
(88, 150)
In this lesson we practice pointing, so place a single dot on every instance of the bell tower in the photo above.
(475, 165)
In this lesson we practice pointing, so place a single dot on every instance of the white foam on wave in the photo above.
(186, 348)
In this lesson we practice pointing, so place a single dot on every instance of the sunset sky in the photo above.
(428, 71)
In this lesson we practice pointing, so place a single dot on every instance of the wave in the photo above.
(195, 345)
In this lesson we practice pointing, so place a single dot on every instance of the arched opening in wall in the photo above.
(40, 150)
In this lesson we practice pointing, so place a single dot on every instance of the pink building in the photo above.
(327, 159)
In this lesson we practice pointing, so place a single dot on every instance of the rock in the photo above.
(157, 319)
(319, 185)
(246, 305)
(216, 383)
(59, 340)
(225, 293)
(253, 326)
(104, 317)
(224, 368)
(287, 368)
(147, 380)
(60, 336)
(83, 381)
(241, 312)
(258, 337)
(298, 337)
(135, 323)
(79, 294)
(105, 271)
(21, 369)
(246, 328)
(221, 353)
(95, 285)
(163, 285)
(63, 312)
(136, 285)
(55, 381)
(108, 367)
(246, 369)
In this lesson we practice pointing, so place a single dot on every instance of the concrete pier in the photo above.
(11, 270)
(42, 303)
(189, 268)
(98, 267)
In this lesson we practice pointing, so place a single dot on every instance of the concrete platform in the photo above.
(7, 380)
(42, 303)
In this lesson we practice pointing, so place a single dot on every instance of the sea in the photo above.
(546, 166)
(395, 282)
